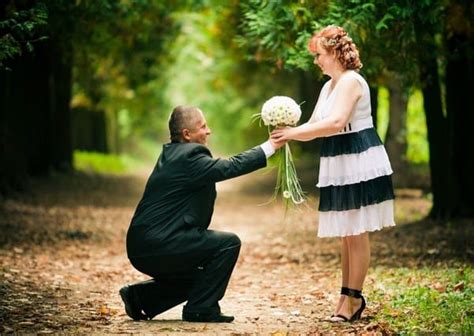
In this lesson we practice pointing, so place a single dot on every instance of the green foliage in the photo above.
(20, 30)
(277, 32)
(114, 44)
(203, 71)
(426, 300)
(137, 59)
(119, 47)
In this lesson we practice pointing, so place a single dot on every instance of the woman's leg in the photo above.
(345, 270)
(359, 259)
(345, 262)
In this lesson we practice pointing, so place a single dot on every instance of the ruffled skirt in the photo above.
(356, 192)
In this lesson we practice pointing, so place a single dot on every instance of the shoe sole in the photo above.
(204, 320)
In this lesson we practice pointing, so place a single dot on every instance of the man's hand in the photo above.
(276, 145)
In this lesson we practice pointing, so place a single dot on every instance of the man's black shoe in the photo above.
(207, 317)
(132, 307)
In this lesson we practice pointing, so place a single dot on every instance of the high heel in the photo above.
(344, 291)
(357, 315)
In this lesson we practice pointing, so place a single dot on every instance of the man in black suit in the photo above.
(168, 238)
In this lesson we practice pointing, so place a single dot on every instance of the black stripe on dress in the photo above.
(354, 196)
(350, 143)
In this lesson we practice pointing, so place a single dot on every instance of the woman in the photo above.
(356, 193)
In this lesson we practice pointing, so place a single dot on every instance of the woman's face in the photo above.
(324, 59)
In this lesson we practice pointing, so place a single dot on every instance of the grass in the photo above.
(427, 300)
(137, 155)
(93, 162)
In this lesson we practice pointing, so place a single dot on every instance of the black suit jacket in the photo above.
(178, 202)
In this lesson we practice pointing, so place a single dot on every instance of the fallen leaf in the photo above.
(459, 286)
(104, 310)
(26, 323)
(439, 287)
(433, 251)
(278, 333)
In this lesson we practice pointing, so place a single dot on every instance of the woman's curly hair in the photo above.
(335, 39)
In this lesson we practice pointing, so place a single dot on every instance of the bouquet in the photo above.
(280, 111)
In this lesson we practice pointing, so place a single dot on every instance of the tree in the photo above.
(36, 93)
(459, 105)
(402, 40)
(117, 57)
(37, 86)
(20, 29)
(425, 32)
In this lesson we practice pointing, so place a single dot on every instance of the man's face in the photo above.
(200, 132)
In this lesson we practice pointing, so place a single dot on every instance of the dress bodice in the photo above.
(361, 114)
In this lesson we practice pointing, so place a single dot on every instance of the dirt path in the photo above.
(63, 260)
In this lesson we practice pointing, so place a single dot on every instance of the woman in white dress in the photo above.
(356, 193)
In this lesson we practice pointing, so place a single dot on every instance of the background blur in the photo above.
(89, 85)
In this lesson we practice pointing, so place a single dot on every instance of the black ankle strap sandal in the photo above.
(356, 316)
(352, 292)
(344, 290)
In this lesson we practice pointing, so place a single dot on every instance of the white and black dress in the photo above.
(356, 192)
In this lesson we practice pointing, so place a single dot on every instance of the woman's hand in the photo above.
(282, 135)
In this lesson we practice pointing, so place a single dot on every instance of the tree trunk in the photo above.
(36, 78)
(60, 91)
(25, 118)
(61, 27)
(435, 120)
(35, 134)
(13, 157)
(113, 141)
(460, 109)
(396, 138)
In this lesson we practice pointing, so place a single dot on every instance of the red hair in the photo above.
(335, 39)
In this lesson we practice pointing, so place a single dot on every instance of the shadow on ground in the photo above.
(59, 208)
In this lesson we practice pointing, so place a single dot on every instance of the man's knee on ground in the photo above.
(234, 240)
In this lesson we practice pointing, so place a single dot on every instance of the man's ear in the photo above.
(185, 133)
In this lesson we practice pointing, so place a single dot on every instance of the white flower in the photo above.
(280, 111)
(330, 42)
(286, 194)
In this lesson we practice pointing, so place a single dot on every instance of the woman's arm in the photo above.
(348, 92)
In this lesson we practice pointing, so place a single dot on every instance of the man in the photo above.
(168, 238)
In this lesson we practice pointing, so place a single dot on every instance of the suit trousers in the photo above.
(199, 277)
